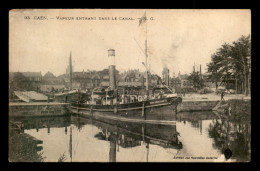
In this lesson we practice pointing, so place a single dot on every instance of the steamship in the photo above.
(109, 103)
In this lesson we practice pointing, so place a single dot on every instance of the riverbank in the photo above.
(206, 102)
(213, 97)
(232, 107)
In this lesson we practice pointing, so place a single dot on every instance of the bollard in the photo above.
(176, 107)
(78, 107)
(91, 108)
(115, 110)
(143, 133)
(143, 110)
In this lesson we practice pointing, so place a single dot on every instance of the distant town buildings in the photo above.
(87, 80)
(91, 79)
(52, 83)
(181, 82)
(25, 80)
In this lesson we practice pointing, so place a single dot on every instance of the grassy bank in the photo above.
(22, 149)
(240, 109)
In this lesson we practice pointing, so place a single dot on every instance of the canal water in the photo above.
(195, 137)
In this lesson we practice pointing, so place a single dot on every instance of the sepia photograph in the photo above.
(129, 85)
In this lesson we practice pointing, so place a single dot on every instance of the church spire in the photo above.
(70, 70)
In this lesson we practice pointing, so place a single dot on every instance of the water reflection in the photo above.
(129, 135)
(232, 133)
(42, 122)
(195, 134)
(26, 148)
(195, 118)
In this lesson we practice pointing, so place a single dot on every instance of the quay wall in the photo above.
(188, 106)
(38, 109)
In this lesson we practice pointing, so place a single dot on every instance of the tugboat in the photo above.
(108, 103)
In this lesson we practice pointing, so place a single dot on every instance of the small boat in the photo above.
(68, 96)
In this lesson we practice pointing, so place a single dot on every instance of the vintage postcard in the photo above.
(129, 85)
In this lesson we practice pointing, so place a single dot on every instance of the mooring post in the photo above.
(78, 109)
(48, 129)
(147, 151)
(143, 133)
(115, 110)
(91, 108)
(143, 109)
(176, 103)
(22, 127)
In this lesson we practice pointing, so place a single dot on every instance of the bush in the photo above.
(241, 108)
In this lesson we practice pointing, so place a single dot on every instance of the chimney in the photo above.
(112, 68)
(200, 77)
(167, 76)
(200, 70)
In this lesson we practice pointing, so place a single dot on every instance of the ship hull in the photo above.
(158, 109)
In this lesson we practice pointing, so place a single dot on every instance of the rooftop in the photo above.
(32, 74)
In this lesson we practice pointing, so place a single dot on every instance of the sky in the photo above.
(175, 38)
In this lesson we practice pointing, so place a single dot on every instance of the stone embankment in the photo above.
(207, 102)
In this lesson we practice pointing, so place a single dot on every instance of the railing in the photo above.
(130, 84)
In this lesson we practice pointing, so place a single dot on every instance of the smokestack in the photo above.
(200, 69)
(167, 76)
(112, 68)
(200, 77)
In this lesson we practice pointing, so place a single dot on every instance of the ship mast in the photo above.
(146, 71)
(146, 56)
(141, 21)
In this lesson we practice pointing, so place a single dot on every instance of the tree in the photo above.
(240, 57)
(214, 74)
(232, 61)
(19, 81)
(194, 78)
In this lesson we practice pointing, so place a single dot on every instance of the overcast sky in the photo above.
(176, 38)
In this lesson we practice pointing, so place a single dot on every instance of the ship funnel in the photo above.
(112, 68)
